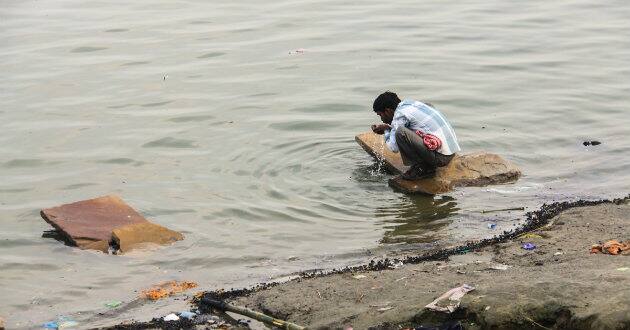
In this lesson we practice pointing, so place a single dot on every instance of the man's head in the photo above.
(385, 105)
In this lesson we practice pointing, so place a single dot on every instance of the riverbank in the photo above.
(559, 284)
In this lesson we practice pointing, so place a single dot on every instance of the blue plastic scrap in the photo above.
(50, 325)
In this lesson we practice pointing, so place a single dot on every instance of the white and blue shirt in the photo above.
(415, 116)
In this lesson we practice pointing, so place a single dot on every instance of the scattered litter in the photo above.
(530, 235)
(492, 225)
(623, 269)
(297, 51)
(461, 272)
(454, 295)
(529, 246)
(400, 279)
(558, 253)
(113, 304)
(207, 318)
(167, 289)
(63, 322)
(359, 276)
(487, 308)
(383, 309)
(591, 143)
(50, 325)
(500, 267)
(188, 315)
(68, 324)
(613, 247)
(397, 264)
(171, 317)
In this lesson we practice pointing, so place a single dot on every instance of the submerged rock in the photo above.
(139, 234)
(90, 224)
(476, 169)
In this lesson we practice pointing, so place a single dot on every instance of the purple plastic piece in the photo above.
(529, 246)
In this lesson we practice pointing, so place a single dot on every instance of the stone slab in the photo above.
(86, 222)
(374, 145)
(136, 235)
(476, 169)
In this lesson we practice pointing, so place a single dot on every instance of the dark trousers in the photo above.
(413, 151)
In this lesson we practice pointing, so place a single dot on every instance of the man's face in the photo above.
(387, 115)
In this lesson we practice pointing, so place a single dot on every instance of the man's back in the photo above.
(416, 115)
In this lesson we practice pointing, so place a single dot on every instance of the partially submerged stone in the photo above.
(89, 224)
(139, 234)
(476, 169)
(374, 144)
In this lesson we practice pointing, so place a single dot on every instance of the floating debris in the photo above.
(167, 289)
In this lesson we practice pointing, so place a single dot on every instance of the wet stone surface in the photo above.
(476, 169)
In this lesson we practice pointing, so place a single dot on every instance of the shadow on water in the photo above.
(416, 219)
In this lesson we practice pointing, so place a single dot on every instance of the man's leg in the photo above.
(413, 151)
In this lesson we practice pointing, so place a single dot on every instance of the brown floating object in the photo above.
(89, 224)
(476, 169)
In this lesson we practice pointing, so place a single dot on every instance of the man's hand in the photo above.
(380, 129)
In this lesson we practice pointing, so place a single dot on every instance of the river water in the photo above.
(234, 123)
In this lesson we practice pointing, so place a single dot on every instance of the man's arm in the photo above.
(390, 135)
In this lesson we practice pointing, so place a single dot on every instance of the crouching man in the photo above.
(417, 130)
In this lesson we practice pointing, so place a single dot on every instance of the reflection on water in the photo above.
(416, 219)
(408, 218)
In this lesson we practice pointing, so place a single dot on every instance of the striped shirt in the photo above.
(416, 115)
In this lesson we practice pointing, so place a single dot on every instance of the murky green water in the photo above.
(204, 117)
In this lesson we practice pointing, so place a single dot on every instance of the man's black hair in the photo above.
(386, 100)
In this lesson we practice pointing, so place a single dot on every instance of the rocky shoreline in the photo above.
(557, 285)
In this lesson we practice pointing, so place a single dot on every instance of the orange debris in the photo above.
(166, 289)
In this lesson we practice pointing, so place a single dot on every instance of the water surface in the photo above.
(204, 117)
